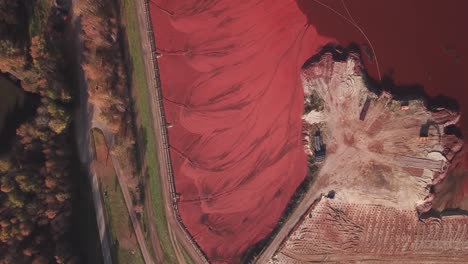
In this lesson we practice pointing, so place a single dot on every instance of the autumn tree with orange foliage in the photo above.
(35, 175)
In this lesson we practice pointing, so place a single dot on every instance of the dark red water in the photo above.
(417, 42)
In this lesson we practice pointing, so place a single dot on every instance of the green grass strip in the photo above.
(39, 17)
(117, 216)
(187, 257)
(144, 111)
(117, 210)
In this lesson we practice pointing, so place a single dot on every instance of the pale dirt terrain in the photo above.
(381, 171)
(355, 233)
(367, 161)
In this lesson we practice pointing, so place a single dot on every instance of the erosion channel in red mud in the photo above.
(230, 75)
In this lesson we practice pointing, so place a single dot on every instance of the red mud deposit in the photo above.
(417, 42)
(230, 78)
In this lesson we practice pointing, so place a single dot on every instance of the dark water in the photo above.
(16, 106)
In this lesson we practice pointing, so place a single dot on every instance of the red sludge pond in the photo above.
(230, 74)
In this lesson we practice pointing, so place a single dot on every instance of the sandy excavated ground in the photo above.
(381, 172)
(380, 160)
(349, 233)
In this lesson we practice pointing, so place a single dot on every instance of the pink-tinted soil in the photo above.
(230, 78)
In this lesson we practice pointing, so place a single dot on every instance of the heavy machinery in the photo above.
(319, 147)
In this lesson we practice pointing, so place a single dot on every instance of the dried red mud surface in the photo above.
(230, 79)
(230, 74)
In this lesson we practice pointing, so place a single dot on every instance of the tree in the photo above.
(7, 187)
(55, 110)
(37, 47)
(50, 213)
(6, 184)
(4, 235)
(61, 197)
(7, 48)
(26, 184)
(50, 182)
(4, 223)
(57, 125)
(5, 165)
(16, 199)
(25, 229)
(28, 252)
(42, 121)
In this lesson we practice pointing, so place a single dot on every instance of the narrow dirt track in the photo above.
(304, 205)
(120, 172)
(178, 234)
(128, 202)
(85, 117)
(152, 231)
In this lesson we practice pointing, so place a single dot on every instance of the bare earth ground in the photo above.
(381, 172)
(366, 160)
(348, 233)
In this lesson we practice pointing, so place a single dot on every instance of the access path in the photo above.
(178, 234)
